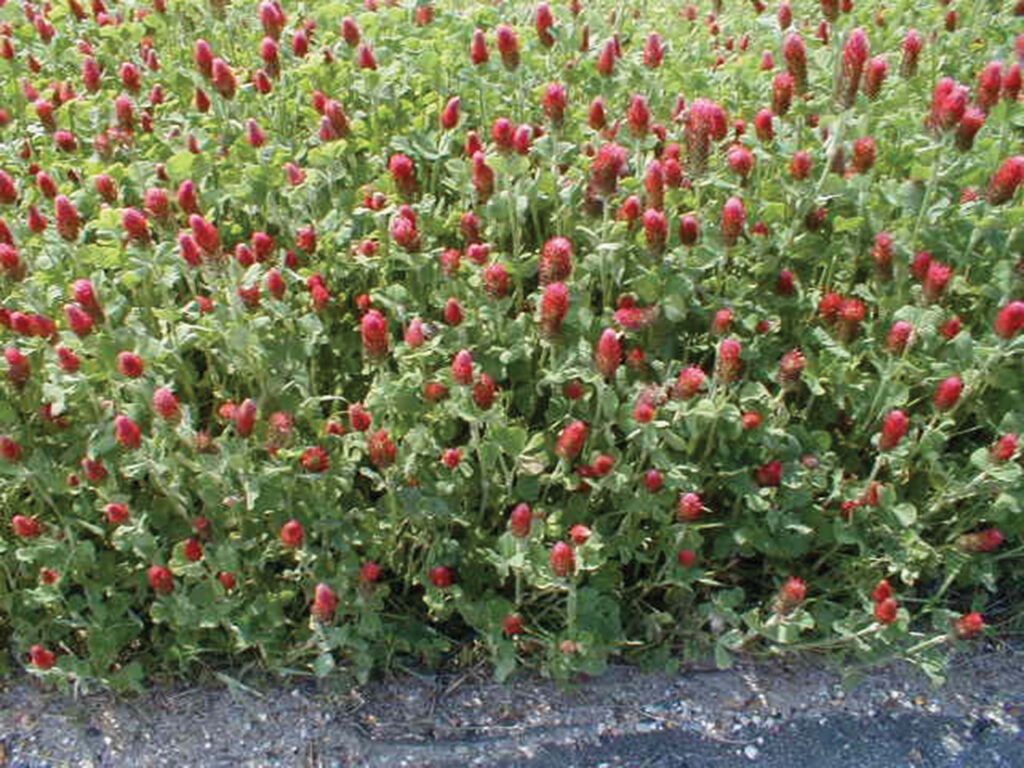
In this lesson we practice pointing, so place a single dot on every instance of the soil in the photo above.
(769, 714)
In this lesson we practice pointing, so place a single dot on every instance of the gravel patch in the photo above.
(764, 713)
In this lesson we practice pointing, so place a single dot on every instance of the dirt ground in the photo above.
(780, 713)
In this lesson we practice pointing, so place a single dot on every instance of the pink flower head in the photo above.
(376, 337)
(1010, 320)
(729, 365)
(855, 58)
(570, 441)
(638, 115)
(462, 368)
(947, 394)
(912, 45)
(556, 260)
(795, 54)
(127, 432)
(734, 215)
(553, 308)
(894, 428)
(1006, 181)
(555, 100)
(874, 77)
(655, 226)
(508, 46)
(608, 353)
(563, 559)
(607, 168)
(403, 173)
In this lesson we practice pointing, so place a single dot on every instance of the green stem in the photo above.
(883, 385)
(474, 430)
(871, 629)
(933, 182)
(520, 550)
(925, 645)
(571, 609)
(965, 492)
(606, 278)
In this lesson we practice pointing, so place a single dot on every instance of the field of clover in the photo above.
(356, 337)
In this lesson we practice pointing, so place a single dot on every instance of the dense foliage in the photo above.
(340, 336)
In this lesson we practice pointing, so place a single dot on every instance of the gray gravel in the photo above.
(768, 714)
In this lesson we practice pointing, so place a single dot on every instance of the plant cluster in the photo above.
(344, 336)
